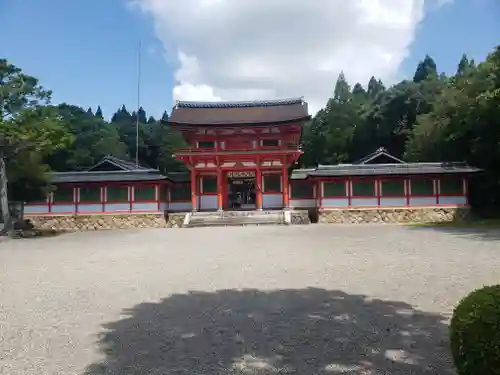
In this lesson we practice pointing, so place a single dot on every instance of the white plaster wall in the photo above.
(89, 208)
(117, 207)
(364, 202)
(208, 202)
(422, 201)
(163, 206)
(63, 208)
(36, 209)
(272, 200)
(335, 202)
(302, 203)
(392, 201)
(459, 200)
(145, 206)
(180, 206)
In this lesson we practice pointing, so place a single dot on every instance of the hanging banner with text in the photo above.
(242, 174)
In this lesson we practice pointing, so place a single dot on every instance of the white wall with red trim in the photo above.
(313, 194)
(163, 200)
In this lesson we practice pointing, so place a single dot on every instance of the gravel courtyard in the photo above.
(257, 300)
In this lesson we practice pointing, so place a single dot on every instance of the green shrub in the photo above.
(475, 333)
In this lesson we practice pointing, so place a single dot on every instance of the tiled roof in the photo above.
(124, 165)
(239, 113)
(379, 152)
(383, 170)
(106, 176)
(239, 104)
(179, 177)
(301, 174)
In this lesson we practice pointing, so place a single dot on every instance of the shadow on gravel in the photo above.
(473, 233)
(307, 331)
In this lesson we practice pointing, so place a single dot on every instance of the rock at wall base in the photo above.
(394, 215)
(79, 223)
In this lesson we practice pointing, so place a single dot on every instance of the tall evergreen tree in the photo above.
(342, 91)
(142, 116)
(121, 116)
(358, 90)
(98, 113)
(463, 66)
(375, 87)
(425, 69)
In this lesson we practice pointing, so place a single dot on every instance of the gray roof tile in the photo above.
(344, 170)
(105, 176)
(239, 113)
(382, 151)
(124, 165)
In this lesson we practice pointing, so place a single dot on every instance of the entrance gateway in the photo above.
(239, 152)
(242, 190)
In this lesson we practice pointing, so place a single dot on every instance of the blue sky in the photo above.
(86, 51)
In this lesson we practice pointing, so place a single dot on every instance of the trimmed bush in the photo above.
(475, 333)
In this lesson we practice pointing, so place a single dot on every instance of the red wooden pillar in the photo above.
(193, 190)
(437, 189)
(407, 192)
(286, 198)
(76, 197)
(158, 196)
(258, 190)
(131, 197)
(103, 190)
(219, 189)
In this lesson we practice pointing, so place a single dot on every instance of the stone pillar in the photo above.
(193, 190)
(258, 189)
(219, 189)
(286, 197)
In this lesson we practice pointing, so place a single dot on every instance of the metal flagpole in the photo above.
(138, 104)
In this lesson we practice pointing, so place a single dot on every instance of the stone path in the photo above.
(312, 299)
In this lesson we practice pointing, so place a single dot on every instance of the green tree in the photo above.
(98, 113)
(425, 69)
(342, 91)
(121, 116)
(94, 139)
(328, 137)
(162, 141)
(29, 129)
(464, 125)
(164, 117)
(375, 87)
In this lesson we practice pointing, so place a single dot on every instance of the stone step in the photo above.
(225, 219)
(250, 213)
(230, 223)
(276, 220)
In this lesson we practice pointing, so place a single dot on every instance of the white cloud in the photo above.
(255, 49)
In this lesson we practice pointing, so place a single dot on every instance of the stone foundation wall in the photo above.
(393, 215)
(299, 217)
(76, 223)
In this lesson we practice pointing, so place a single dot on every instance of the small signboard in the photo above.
(241, 174)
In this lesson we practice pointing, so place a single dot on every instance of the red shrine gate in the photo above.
(240, 152)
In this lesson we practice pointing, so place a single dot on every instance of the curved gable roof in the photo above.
(239, 112)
